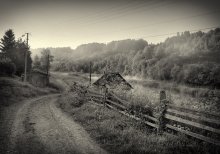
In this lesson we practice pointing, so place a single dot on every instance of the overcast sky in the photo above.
(54, 23)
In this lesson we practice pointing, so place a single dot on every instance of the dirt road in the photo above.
(38, 126)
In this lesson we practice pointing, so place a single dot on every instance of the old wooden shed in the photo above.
(113, 81)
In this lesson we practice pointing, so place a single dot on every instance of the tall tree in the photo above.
(45, 60)
(8, 44)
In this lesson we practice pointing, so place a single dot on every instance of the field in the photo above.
(146, 93)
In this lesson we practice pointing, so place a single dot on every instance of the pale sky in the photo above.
(63, 23)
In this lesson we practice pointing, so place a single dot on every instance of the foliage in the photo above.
(7, 67)
(43, 63)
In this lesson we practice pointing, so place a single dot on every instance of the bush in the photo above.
(7, 67)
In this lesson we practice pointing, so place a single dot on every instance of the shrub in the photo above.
(7, 67)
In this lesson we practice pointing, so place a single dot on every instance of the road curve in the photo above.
(40, 127)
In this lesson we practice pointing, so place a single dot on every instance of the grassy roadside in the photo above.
(118, 134)
(12, 90)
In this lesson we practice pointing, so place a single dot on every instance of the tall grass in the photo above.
(193, 91)
(149, 97)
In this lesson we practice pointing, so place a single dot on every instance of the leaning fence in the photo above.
(200, 125)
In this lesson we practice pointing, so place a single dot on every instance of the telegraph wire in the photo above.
(113, 8)
(124, 11)
(129, 11)
(173, 33)
(167, 21)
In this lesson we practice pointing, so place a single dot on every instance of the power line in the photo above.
(167, 21)
(122, 11)
(113, 8)
(129, 11)
(172, 33)
(125, 12)
(148, 8)
(178, 19)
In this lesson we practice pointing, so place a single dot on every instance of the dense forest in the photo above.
(190, 58)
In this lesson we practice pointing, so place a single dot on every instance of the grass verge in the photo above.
(12, 90)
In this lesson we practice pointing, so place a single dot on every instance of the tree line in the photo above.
(190, 58)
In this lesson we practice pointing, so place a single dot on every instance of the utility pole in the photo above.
(48, 67)
(25, 63)
(48, 64)
(90, 74)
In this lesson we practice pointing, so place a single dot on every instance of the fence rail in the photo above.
(168, 114)
(200, 113)
(193, 116)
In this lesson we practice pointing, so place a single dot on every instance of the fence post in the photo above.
(105, 95)
(162, 110)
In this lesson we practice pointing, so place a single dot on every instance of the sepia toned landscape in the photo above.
(96, 77)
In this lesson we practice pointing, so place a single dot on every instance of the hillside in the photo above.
(190, 58)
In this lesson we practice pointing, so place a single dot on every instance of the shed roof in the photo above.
(113, 80)
(39, 71)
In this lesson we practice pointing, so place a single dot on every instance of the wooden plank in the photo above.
(194, 111)
(116, 104)
(151, 124)
(119, 99)
(133, 117)
(139, 119)
(98, 104)
(198, 136)
(94, 92)
(95, 95)
(149, 117)
(94, 99)
(195, 124)
(193, 116)
(91, 93)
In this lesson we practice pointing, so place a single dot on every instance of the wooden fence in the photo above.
(200, 125)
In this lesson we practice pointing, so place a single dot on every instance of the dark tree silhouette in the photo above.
(7, 44)
(45, 60)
